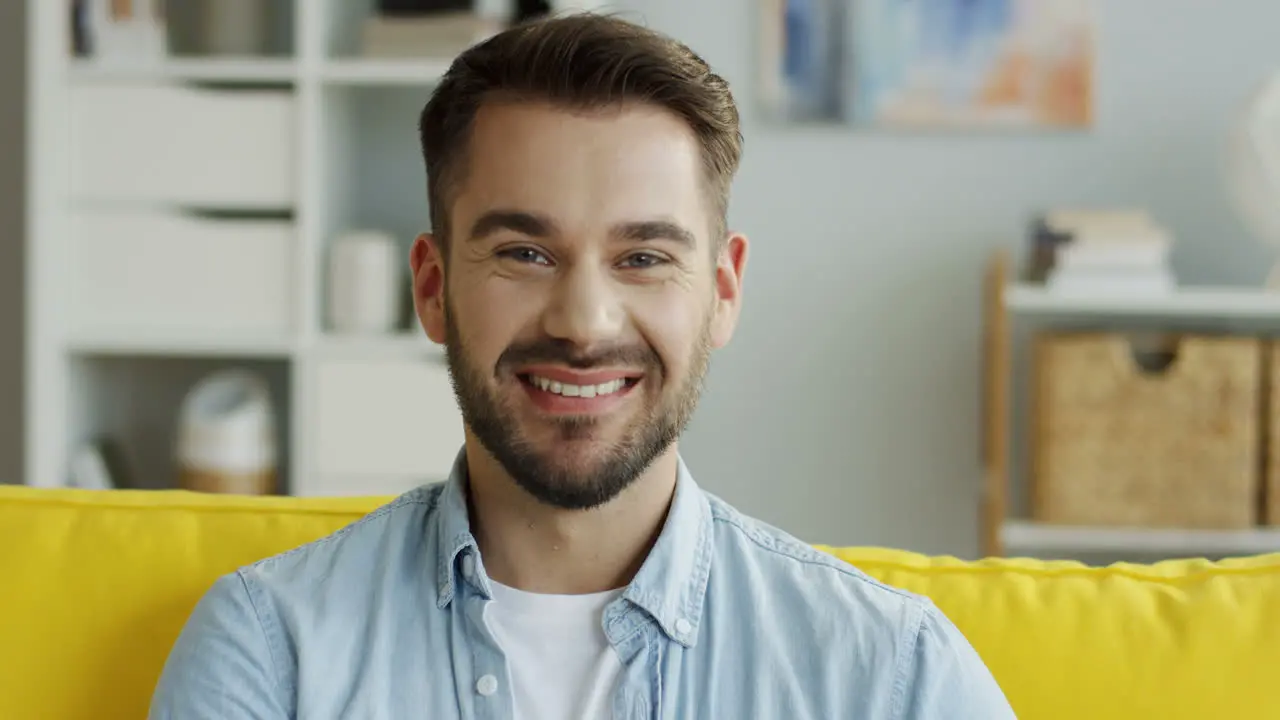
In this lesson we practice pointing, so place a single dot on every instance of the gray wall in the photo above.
(847, 409)
(12, 151)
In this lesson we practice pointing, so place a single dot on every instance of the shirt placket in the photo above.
(483, 687)
(636, 639)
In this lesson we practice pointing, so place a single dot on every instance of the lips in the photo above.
(564, 389)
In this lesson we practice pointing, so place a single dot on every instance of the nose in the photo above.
(585, 309)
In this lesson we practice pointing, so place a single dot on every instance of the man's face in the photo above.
(584, 293)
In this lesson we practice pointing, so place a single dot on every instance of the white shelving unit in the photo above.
(261, 162)
(239, 70)
(1022, 536)
(1002, 532)
(1184, 303)
(358, 73)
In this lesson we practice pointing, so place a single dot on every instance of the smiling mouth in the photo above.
(615, 386)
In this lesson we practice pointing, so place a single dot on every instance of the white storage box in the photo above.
(385, 418)
(160, 274)
(204, 148)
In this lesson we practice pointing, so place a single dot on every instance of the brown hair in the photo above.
(580, 61)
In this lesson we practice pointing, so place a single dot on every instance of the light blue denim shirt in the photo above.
(727, 619)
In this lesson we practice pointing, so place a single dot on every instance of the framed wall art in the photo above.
(930, 64)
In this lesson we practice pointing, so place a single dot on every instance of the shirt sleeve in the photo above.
(945, 677)
(221, 666)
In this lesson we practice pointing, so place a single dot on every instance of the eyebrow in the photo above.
(533, 225)
(514, 220)
(643, 230)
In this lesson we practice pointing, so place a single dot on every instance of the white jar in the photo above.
(226, 435)
(365, 288)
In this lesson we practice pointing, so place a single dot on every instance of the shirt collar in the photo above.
(670, 585)
(454, 526)
(672, 582)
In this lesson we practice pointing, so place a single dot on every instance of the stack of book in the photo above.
(436, 34)
(1101, 252)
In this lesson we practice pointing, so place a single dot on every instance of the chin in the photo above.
(575, 475)
(548, 432)
(571, 485)
(578, 455)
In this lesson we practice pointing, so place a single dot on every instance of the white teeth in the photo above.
(586, 391)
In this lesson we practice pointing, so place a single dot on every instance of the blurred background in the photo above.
(205, 209)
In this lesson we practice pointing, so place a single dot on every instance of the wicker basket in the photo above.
(1116, 444)
(1271, 490)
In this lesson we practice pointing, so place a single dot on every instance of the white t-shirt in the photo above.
(562, 666)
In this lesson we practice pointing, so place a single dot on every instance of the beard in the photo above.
(562, 474)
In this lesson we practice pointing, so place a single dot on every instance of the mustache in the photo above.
(553, 351)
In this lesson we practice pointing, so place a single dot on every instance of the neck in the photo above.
(538, 548)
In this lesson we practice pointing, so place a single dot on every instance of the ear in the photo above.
(731, 263)
(427, 263)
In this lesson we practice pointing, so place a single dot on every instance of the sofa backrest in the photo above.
(95, 586)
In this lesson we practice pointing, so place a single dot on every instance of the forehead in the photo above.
(584, 169)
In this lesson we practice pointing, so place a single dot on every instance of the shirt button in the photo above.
(468, 566)
(487, 685)
(683, 626)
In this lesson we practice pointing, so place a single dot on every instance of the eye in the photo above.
(524, 255)
(642, 260)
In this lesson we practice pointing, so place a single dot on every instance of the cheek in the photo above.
(673, 324)
(488, 317)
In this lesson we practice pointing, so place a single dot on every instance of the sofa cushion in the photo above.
(96, 586)
(1176, 639)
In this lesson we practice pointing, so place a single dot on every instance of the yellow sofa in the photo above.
(94, 587)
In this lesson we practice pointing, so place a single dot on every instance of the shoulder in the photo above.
(879, 641)
(349, 554)
(223, 644)
(310, 589)
(243, 632)
(944, 676)
(922, 662)
(397, 527)
(790, 564)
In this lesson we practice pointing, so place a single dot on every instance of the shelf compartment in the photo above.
(187, 24)
(168, 143)
(135, 402)
(373, 171)
(148, 275)
(345, 26)
(383, 418)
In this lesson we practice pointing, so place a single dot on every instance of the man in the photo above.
(579, 276)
